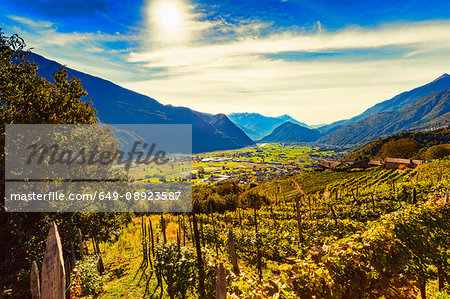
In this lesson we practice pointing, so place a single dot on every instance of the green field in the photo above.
(259, 163)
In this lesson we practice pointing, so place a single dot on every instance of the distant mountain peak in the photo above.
(244, 114)
(290, 118)
(257, 126)
(290, 132)
(443, 76)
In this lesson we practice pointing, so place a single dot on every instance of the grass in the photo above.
(123, 258)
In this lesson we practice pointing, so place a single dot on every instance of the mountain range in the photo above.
(394, 104)
(256, 126)
(431, 111)
(421, 108)
(118, 105)
(291, 133)
(425, 107)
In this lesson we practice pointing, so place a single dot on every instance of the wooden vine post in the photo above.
(163, 228)
(184, 230)
(422, 289)
(80, 244)
(297, 208)
(67, 265)
(232, 249)
(53, 272)
(214, 229)
(221, 284)
(145, 251)
(334, 214)
(151, 237)
(73, 260)
(35, 287)
(148, 241)
(201, 273)
(202, 232)
(192, 233)
(258, 253)
(441, 278)
(299, 220)
(100, 266)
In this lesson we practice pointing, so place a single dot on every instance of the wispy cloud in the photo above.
(97, 53)
(30, 22)
(46, 34)
(422, 35)
(182, 56)
(240, 74)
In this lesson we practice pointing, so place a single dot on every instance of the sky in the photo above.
(318, 61)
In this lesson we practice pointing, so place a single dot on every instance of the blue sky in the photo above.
(318, 61)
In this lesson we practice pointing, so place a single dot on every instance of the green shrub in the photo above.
(442, 295)
(177, 267)
(86, 281)
(437, 152)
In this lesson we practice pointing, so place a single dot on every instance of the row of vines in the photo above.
(360, 234)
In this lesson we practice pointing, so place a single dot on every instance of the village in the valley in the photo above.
(270, 161)
(263, 162)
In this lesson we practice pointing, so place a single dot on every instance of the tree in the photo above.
(437, 152)
(402, 148)
(28, 98)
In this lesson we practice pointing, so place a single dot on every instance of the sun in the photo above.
(168, 17)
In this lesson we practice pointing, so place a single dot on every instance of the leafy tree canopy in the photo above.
(402, 148)
(437, 152)
(26, 97)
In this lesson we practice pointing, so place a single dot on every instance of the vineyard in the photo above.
(362, 234)
(266, 223)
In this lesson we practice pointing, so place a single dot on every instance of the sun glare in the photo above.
(168, 18)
